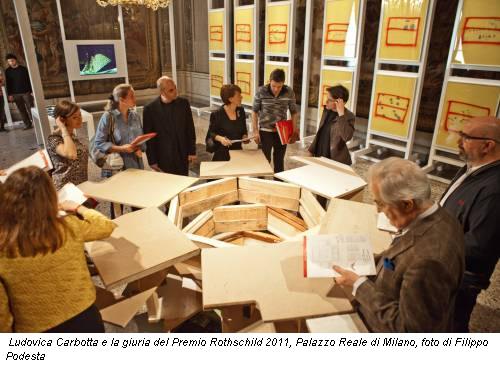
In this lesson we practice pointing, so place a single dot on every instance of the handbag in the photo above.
(106, 161)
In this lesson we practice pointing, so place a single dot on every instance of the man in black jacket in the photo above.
(171, 118)
(474, 198)
(19, 88)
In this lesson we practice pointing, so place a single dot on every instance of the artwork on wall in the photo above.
(244, 79)
(403, 25)
(277, 29)
(216, 76)
(392, 105)
(332, 77)
(216, 30)
(96, 59)
(341, 28)
(461, 102)
(243, 30)
(478, 37)
(270, 66)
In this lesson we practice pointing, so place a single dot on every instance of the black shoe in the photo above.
(3, 130)
(28, 127)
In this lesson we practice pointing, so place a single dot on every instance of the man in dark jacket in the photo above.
(19, 88)
(170, 116)
(335, 129)
(474, 198)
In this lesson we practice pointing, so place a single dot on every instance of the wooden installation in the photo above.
(311, 209)
(475, 46)
(271, 193)
(123, 311)
(242, 163)
(143, 243)
(327, 182)
(348, 217)
(272, 277)
(208, 196)
(251, 217)
(138, 188)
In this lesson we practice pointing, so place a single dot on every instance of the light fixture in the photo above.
(152, 4)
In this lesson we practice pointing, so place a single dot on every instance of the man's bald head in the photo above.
(167, 88)
(480, 142)
(487, 127)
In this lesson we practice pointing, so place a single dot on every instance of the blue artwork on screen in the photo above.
(96, 59)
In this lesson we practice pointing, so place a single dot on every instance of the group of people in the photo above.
(428, 279)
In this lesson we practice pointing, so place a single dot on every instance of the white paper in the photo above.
(72, 193)
(242, 140)
(40, 159)
(350, 251)
(384, 224)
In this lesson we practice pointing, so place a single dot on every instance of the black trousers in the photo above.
(88, 321)
(270, 141)
(3, 118)
(24, 103)
(464, 304)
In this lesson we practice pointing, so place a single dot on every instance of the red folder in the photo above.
(285, 130)
(142, 138)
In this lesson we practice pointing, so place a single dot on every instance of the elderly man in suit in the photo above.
(474, 198)
(170, 117)
(418, 276)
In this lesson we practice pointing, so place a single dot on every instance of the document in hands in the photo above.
(40, 159)
(142, 138)
(72, 193)
(349, 251)
(242, 140)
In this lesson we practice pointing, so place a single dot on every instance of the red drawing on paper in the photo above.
(336, 32)
(458, 112)
(216, 33)
(277, 33)
(392, 107)
(481, 30)
(243, 80)
(216, 81)
(244, 33)
(324, 94)
(402, 31)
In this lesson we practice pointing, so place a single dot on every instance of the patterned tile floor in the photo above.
(18, 144)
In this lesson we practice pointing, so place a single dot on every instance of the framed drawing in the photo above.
(340, 28)
(403, 25)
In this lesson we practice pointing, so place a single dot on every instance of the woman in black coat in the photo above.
(227, 125)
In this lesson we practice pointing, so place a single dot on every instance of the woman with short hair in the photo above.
(45, 285)
(227, 124)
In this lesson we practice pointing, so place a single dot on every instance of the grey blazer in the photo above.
(415, 290)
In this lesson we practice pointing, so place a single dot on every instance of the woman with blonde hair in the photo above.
(69, 156)
(45, 285)
(119, 126)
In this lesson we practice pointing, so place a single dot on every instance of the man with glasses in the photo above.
(474, 198)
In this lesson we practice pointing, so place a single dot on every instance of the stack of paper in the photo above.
(285, 130)
(349, 251)
(40, 159)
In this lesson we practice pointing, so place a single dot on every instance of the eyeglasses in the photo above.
(466, 137)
